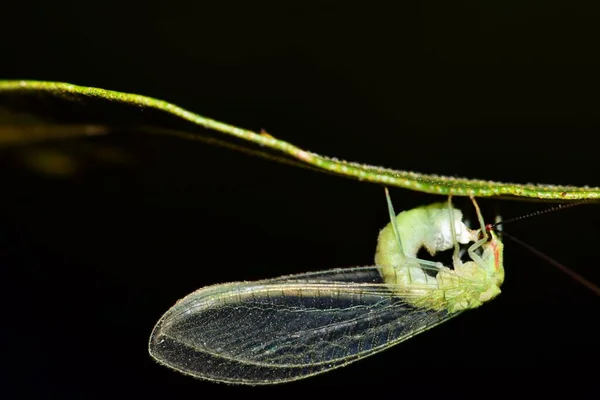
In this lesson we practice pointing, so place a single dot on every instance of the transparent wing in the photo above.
(286, 328)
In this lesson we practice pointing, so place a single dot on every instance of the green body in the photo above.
(468, 285)
(406, 179)
(292, 327)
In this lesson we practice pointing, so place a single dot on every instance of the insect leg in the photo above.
(480, 242)
(455, 256)
(395, 228)
(409, 261)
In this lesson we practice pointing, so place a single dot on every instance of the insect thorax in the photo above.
(429, 284)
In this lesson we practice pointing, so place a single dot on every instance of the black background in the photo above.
(93, 254)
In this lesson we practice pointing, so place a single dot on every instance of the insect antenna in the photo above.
(495, 225)
(591, 286)
(574, 275)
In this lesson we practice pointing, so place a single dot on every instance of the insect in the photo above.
(291, 327)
